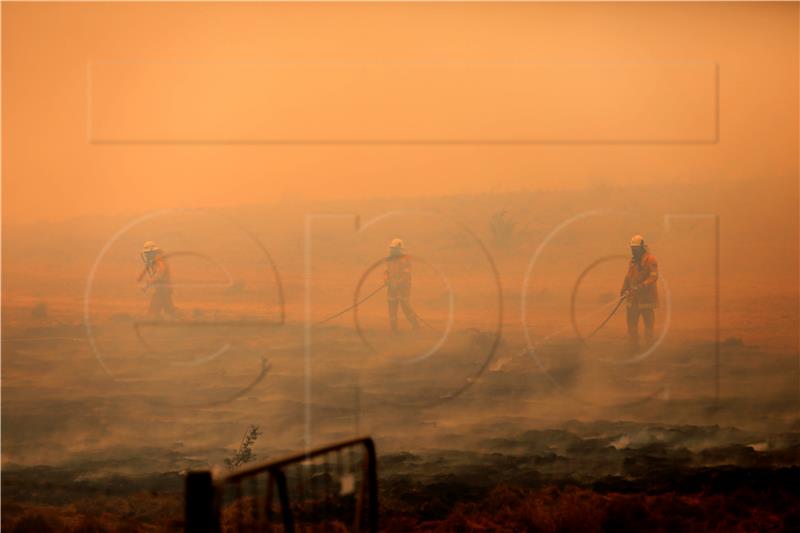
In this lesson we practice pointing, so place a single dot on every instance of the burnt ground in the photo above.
(602, 476)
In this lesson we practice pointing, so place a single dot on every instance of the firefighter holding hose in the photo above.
(398, 282)
(156, 269)
(640, 290)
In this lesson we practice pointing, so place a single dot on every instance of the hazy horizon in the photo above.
(710, 105)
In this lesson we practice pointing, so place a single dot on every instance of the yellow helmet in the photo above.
(637, 240)
(397, 243)
(149, 246)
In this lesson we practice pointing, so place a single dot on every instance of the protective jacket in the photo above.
(642, 280)
(398, 270)
(160, 275)
(398, 276)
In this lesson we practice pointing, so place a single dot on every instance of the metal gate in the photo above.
(332, 488)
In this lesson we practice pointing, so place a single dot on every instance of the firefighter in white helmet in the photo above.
(156, 269)
(641, 290)
(398, 282)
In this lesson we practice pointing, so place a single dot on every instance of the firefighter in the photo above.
(641, 290)
(156, 269)
(398, 282)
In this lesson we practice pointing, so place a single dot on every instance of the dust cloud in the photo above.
(518, 252)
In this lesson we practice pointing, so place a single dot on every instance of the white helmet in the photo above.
(637, 240)
(149, 246)
(397, 243)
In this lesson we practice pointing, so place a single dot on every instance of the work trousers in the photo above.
(398, 297)
(648, 317)
(162, 301)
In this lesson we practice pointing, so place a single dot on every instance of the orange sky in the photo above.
(51, 171)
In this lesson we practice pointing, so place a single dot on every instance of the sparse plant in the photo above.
(504, 229)
(245, 452)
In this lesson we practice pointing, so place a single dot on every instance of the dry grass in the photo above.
(574, 509)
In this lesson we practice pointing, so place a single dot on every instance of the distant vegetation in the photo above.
(504, 229)
(39, 311)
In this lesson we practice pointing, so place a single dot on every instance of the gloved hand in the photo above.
(629, 291)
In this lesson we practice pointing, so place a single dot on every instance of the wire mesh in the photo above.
(330, 489)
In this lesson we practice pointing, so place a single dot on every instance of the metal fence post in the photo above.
(283, 496)
(200, 511)
(372, 475)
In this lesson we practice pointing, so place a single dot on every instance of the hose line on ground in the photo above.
(343, 311)
(610, 315)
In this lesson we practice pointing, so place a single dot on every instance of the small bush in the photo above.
(245, 452)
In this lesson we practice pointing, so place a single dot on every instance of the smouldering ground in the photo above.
(566, 436)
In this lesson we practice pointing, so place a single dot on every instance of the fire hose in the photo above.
(361, 301)
(343, 311)
(616, 303)
(610, 315)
